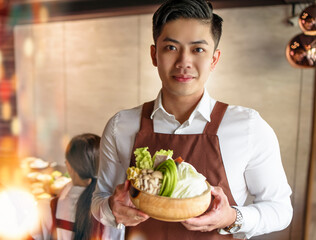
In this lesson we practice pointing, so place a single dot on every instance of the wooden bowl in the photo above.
(170, 209)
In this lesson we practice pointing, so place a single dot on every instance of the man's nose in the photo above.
(184, 59)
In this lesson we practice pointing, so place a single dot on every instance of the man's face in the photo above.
(184, 55)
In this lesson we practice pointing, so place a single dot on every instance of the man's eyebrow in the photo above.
(167, 39)
(199, 42)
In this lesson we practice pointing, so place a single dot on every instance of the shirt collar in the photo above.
(204, 107)
(158, 105)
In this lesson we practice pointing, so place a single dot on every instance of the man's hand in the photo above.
(221, 214)
(123, 209)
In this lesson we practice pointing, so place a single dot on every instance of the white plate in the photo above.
(38, 164)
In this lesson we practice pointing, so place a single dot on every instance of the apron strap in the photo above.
(98, 229)
(64, 224)
(216, 118)
(146, 121)
(58, 223)
(53, 207)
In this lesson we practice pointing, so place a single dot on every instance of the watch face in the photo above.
(235, 228)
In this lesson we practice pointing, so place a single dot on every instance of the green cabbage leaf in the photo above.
(143, 158)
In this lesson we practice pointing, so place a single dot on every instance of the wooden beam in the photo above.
(64, 10)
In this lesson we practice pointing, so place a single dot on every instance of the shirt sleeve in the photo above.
(266, 181)
(111, 173)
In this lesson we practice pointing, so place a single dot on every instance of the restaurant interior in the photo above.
(67, 66)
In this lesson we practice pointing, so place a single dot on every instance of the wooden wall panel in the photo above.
(149, 79)
(41, 110)
(102, 71)
(49, 101)
(25, 91)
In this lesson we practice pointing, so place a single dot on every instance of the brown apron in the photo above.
(200, 150)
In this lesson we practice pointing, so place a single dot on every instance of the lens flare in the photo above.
(18, 213)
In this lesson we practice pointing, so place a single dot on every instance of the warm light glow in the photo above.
(295, 45)
(1, 57)
(43, 14)
(28, 47)
(7, 144)
(6, 112)
(15, 126)
(14, 83)
(5, 90)
(2, 71)
(18, 213)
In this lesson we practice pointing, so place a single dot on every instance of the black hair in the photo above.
(82, 154)
(195, 9)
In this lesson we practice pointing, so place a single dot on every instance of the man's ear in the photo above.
(215, 59)
(153, 55)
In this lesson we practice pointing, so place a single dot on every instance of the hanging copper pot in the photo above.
(301, 51)
(307, 20)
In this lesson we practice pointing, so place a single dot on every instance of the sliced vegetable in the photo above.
(170, 176)
(179, 160)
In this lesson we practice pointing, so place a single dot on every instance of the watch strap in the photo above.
(235, 226)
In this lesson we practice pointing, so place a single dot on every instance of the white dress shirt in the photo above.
(66, 210)
(250, 153)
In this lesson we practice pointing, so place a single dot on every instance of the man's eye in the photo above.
(171, 48)
(199, 50)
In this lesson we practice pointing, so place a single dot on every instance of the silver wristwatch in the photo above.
(234, 227)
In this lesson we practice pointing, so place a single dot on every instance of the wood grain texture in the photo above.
(170, 209)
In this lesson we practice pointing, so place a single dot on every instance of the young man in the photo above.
(232, 146)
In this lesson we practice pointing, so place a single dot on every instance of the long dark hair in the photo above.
(82, 154)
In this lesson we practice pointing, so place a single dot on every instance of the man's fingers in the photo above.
(130, 212)
(120, 189)
(203, 220)
(217, 192)
(203, 228)
(126, 185)
(219, 200)
(130, 216)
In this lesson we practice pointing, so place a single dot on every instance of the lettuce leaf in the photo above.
(143, 158)
(168, 154)
(190, 182)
